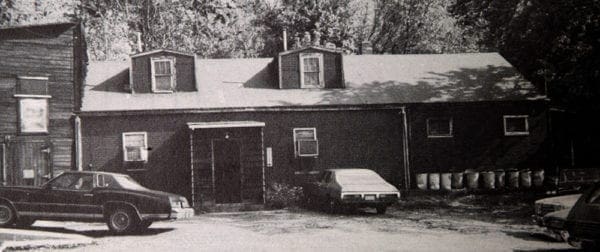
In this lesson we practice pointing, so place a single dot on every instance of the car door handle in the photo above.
(88, 195)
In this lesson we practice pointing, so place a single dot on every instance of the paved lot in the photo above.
(454, 227)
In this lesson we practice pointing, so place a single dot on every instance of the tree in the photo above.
(332, 19)
(21, 12)
(554, 43)
(415, 26)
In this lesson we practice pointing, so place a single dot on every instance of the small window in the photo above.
(33, 115)
(439, 127)
(305, 142)
(163, 74)
(516, 125)
(311, 70)
(135, 147)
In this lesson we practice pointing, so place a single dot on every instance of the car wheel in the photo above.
(24, 222)
(7, 215)
(122, 221)
(332, 206)
(381, 209)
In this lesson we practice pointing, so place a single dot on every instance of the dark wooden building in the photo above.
(224, 133)
(41, 74)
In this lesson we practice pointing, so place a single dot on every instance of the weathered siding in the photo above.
(185, 79)
(48, 50)
(290, 69)
(478, 140)
(366, 138)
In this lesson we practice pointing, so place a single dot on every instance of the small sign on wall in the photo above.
(269, 152)
(28, 174)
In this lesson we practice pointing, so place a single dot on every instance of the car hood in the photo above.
(368, 188)
(565, 201)
(20, 188)
(561, 214)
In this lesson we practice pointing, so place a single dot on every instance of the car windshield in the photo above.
(127, 182)
(362, 178)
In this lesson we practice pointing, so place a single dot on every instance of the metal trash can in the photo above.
(513, 179)
(538, 178)
(422, 181)
(488, 180)
(472, 178)
(457, 180)
(434, 181)
(446, 181)
(500, 182)
(525, 176)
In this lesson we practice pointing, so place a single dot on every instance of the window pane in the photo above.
(516, 124)
(163, 83)
(133, 153)
(311, 79)
(438, 127)
(136, 140)
(64, 181)
(311, 64)
(307, 134)
(162, 68)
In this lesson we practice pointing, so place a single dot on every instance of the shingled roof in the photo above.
(370, 80)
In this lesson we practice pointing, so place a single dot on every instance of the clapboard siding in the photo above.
(56, 51)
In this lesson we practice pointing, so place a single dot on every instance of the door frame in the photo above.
(45, 155)
(238, 141)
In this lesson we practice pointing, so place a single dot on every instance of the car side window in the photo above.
(84, 183)
(64, 181)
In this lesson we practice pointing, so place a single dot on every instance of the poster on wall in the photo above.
(33, 115)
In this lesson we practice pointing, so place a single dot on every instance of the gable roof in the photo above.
(370, 80)
(162, 50)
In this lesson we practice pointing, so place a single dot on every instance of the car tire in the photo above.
(381, 209)
(24, 222)
(7, 215)
(332, 206)
(122, 221)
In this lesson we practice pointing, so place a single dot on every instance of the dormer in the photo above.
(310, 67)
(162, 71)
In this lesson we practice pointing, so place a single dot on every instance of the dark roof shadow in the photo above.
(265, 78)
(95, 233)
(34, 31)
(115, 83)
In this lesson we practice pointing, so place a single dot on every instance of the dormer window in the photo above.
(163, 74)
(311, 70)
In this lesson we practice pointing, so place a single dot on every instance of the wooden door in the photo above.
(227, 170)
(33, 167)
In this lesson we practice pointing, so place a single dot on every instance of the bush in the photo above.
(280, 195)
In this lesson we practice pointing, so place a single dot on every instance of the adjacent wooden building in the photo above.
(41, 74)
(222, 130)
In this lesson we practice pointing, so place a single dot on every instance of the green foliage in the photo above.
(21, 12)
(280, 195)
(416, 26)
(554, 43)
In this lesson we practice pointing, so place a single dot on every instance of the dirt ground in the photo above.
(423, 223)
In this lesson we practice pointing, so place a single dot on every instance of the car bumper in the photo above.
(181, 213)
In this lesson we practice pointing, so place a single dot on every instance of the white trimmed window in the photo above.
(163, 74)
(311, 70)
(135, 146)
(439, 127)
(305, 142)
(516, 125)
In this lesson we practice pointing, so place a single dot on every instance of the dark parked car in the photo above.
(116, 199)
(552, 208)
(583, 221)
(353, 188)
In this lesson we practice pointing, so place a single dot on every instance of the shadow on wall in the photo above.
(266, 78)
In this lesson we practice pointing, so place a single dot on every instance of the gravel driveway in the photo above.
(454, 225)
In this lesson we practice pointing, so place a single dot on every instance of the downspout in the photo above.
(192, 165)
(405, 149)
(78, 153)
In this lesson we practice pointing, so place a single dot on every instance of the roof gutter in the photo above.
(239, 110)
